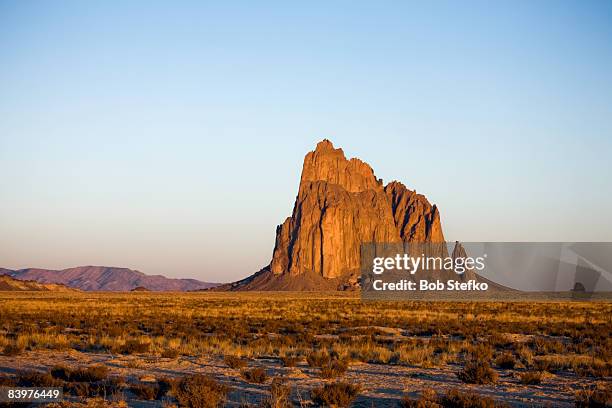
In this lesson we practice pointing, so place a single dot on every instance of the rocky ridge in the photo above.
(104, 278)
(7, 283)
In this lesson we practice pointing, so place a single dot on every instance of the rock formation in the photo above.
(340, 205)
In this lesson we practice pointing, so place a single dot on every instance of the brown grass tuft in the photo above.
(598, 396)
(255, 375)
(338, 394)
(506, 360)
(200, 391)
(532, 377)
(279, 395)
(235, 362)
(477, 372)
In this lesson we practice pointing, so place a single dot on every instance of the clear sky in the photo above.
(169, 136)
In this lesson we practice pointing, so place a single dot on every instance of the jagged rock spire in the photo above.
(340, 205)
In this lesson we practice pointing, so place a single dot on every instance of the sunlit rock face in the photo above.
(340, 205)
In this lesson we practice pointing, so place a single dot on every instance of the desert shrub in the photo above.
(90, 382)
(145, 391)
(543, 346)
(279, 395)
(331, 365)
(79, 389)
(255, 375)
(414, 354)
(499, 340)
(459, 399)
(337, 394)
(428, 399)
(532, 377)
(598, 396)
(547, 364)
(164, 385)
(170, 353)
(37, 379)
(440, 344)
(103, 388)
(61, 372)
(452, 399)
(335, 368)
(90, 374)
(593, 369)
(200, 391)
(290, 361)
(481, 351)
(525, 355)
(477, 372)
(318, 359)
(96, 402)
(506, 360)
(235, 362)
(134, 346)
(13, 349)
(111, 386)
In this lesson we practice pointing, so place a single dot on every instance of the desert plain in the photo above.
(279, 349)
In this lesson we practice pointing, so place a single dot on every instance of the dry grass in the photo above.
(330, 331)
(506, 361)
(199, 391)
(331, 365)
(279, 395)
(477, 372)
(599, 396)
(255, 375)
(431, 333)
(453, 398)
(337, 394)
(532, 377)
(235, 362)
(88, 374)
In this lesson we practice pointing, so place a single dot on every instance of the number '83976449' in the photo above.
(29, 394)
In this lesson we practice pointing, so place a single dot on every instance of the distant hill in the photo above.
(11, 284)
(103, 278)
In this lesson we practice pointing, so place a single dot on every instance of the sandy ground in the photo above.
(382, 385)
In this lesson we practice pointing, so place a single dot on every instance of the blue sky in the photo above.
(169, 136)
